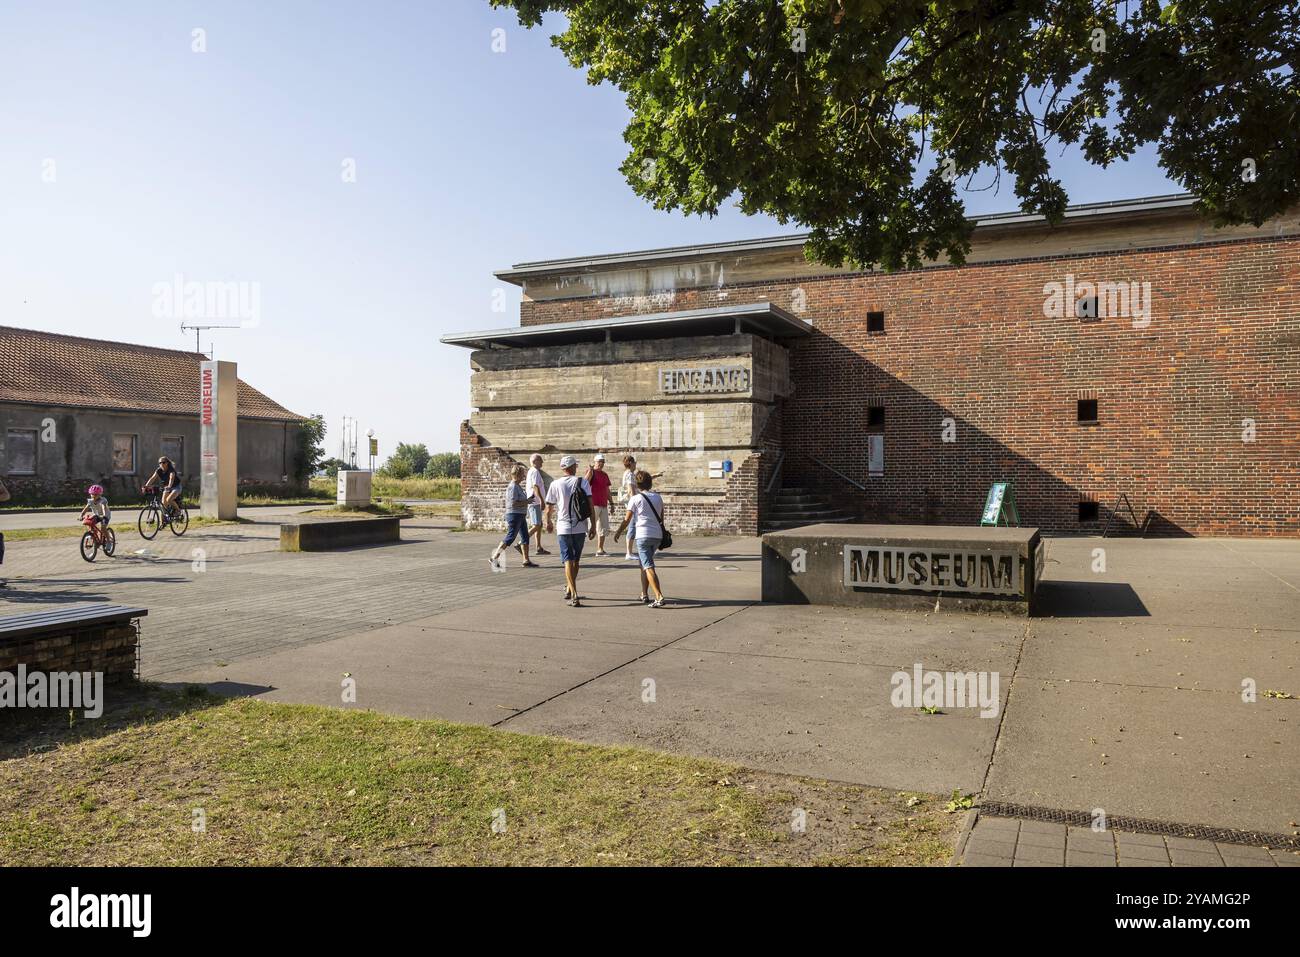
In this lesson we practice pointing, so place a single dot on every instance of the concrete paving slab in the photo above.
(426, 672)
(1082, 746)
(891, 639)
(794, 715)
(1160, 655)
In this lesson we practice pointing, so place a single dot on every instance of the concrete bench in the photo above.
(79, 638)
(323, 534)
(966, 568)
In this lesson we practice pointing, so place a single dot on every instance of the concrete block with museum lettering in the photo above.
(956, 568)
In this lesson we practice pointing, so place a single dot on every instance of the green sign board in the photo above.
(1000, 505)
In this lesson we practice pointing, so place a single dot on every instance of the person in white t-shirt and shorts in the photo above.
(645, 515)
(627, 489)
(571, 533)
(536, 489)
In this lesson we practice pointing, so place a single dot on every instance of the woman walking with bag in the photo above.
(516, 520)
(645, 512)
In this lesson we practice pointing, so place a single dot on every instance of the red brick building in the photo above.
(1133, 350)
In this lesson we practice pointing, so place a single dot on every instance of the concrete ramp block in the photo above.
(323, 534)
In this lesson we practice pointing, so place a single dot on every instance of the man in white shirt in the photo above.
(536, 489)
(563, 517)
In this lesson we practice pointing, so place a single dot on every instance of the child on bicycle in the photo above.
(96, 506)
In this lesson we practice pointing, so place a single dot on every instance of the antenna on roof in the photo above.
(198, 329)
(348, 445)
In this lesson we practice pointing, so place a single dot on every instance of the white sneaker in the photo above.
(630, 558)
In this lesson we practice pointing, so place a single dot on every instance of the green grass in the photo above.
(120, 529)
(262, 499)
(276, 496)
(383, 487)
(289, 784)
(374, 508)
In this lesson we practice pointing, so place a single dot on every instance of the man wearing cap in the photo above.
(562, 517)
(599, 481)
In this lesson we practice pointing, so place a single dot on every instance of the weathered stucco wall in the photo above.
(74, 449)
(675, 404)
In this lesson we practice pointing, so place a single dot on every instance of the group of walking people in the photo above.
(576, 509)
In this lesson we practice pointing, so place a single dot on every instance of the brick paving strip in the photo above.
(1012, 842)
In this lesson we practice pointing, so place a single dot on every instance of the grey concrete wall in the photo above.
(75, 448)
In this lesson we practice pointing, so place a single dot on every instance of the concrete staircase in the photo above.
(794, 506)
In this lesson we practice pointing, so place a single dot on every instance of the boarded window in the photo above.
(875, 454)
(20, 451)
(173, 446)
(123, 453)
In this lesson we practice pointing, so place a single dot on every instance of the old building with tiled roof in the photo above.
(76, 411)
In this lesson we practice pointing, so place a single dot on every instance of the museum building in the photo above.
(1132, 366)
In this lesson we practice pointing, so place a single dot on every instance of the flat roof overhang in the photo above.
(759, 318)
(521, 272)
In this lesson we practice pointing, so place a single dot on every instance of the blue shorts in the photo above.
(645, 549)
(571, 546)
(516, 525)
(534, 515)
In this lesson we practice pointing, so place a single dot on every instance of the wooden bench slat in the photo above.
(33, 623)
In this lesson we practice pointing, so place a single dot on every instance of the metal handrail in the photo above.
(776, 471)
(859, 486)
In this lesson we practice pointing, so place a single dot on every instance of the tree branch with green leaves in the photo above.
(858, 119)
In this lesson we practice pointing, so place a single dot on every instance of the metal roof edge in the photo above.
(1013, 218)
(748, 310)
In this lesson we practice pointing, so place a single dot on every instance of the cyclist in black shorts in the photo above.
(170, 480)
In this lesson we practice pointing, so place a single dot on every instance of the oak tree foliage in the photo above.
(860, 119)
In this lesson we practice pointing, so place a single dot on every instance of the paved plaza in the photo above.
(1126, 696)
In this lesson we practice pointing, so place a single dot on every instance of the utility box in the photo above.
(354, 487)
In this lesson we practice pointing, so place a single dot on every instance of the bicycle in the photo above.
(97, 535)
(153, 516)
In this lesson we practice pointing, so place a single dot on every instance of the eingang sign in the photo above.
(704, 379)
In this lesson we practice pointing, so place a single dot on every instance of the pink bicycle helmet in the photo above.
(95, 490)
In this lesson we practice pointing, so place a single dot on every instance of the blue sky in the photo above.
(129, 159)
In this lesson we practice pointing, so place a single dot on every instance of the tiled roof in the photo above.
(45, 368)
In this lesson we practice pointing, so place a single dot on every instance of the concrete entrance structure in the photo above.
(686, 393)
(905, 566)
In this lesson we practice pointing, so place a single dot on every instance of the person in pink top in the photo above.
(599, 481)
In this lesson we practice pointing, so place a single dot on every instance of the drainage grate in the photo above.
(1140, 825)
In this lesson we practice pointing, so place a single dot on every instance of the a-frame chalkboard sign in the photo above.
(1000, 505)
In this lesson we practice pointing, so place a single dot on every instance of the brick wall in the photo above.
(484, 475)
(111, 649)
(968, 353)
